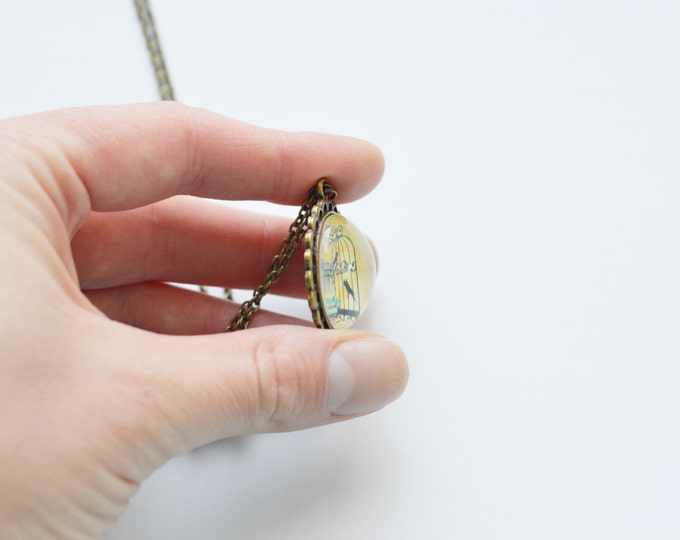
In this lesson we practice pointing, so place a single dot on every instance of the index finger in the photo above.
(131, 155)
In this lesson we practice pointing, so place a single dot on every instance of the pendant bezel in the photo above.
(317, 215)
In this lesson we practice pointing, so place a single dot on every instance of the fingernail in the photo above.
(365, 375)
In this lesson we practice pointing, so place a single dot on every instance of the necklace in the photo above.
(340, 267)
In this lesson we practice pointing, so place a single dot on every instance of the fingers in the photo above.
(259, 380)
(167, 309)
(183, 240)
(129, 156)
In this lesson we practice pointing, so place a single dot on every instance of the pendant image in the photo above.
(340, 268)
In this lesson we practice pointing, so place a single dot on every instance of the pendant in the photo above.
(340, 268)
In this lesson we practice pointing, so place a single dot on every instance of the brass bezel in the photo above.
(318, 213)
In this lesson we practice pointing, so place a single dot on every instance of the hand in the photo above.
(90, 407)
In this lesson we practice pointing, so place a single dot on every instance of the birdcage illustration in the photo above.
(341, 295)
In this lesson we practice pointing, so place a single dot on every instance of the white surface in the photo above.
(527, 227)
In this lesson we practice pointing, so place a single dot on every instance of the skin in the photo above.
(106, 372)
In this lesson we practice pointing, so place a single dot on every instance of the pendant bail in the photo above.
(325, 190)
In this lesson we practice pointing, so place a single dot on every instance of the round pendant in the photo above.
(340, 268)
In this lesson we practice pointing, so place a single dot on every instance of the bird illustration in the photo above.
(349, 290)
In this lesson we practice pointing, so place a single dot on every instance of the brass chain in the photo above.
(155, 52)
(291, 243)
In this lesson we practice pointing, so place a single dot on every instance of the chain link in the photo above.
(291, 243)
(155, 52)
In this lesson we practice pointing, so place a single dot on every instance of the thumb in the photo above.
(276, 378)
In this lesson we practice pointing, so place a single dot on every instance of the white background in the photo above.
(527, 226)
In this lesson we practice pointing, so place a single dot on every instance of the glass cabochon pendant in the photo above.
(340, 268)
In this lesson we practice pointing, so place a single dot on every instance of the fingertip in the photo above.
(365, 375)
(369, 167)
(378, 161)
(375, 160)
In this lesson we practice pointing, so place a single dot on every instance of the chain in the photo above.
(290, 244)
(155, 52)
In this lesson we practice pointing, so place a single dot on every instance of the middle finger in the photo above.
(183, 240)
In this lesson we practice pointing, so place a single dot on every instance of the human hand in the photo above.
(90, 407)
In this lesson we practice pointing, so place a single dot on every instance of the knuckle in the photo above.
(286, 390)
